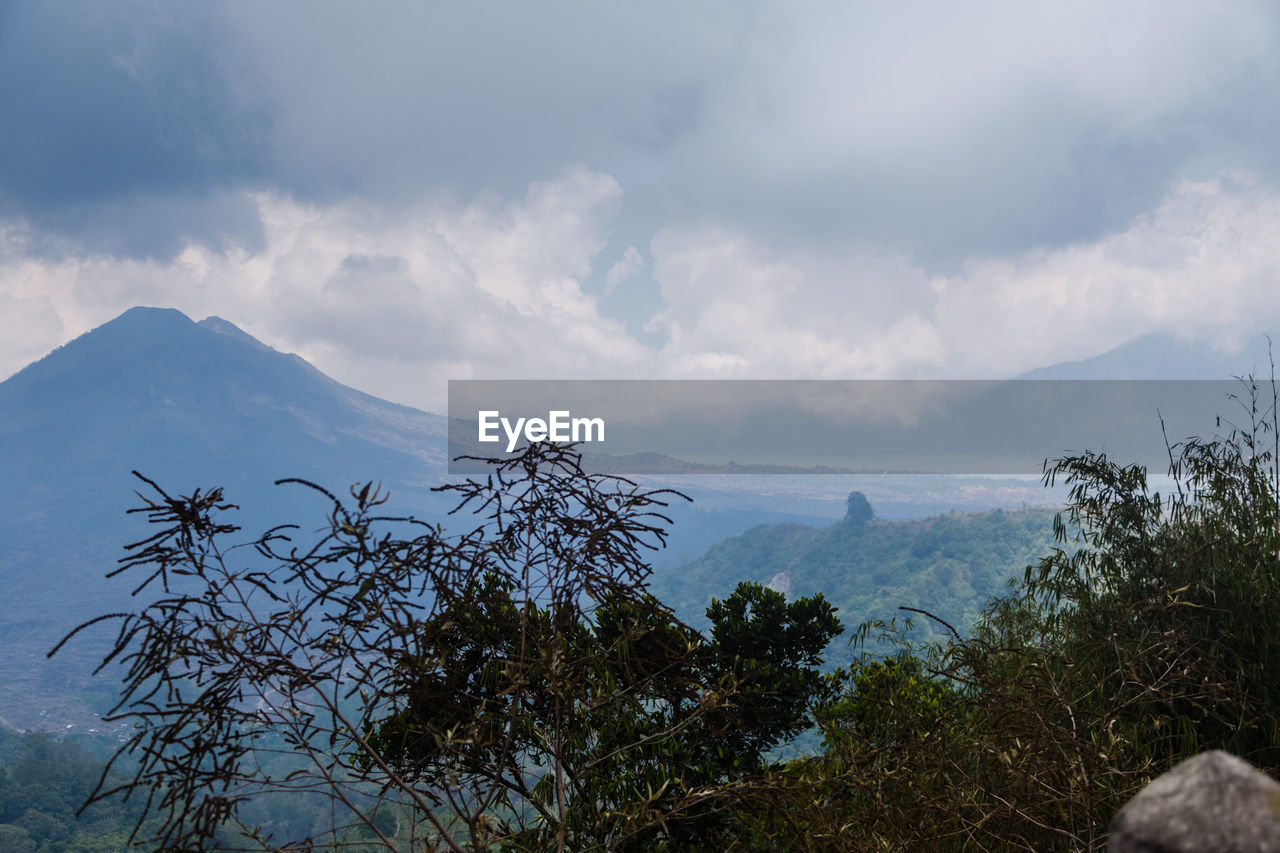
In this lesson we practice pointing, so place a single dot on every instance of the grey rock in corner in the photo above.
(1212, 803)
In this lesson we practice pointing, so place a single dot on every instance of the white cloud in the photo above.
(31, 327)
(396, 303)
(735, 312)
(630, 265)
(1202, 265)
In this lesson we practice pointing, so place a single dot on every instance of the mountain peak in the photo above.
(225, 327)
(1159, 356)
(145, 317)
(190, 405)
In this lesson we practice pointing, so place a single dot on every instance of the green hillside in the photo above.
(950, 565)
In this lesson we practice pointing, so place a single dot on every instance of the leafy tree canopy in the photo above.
(1147, 635)
(511, 686)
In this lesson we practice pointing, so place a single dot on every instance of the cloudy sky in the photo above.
(405, 193)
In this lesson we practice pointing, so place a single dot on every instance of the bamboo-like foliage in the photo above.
(1148, 635)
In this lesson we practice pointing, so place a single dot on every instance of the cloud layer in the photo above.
(666, 189)
(397, 303)
(944, 129)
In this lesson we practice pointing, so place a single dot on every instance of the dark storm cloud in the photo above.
(955, 130)
(124, 125)
(945, 130)
(397, 99)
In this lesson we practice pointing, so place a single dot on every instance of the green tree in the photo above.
(15, 839)
(513, 685)
(651, 718)
(1145, 636)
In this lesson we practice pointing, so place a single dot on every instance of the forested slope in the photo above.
(949, 565)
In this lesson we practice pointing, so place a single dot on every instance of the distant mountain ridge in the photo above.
(151, 368)
(190, 405)
(206, 404)
(949, 565)
(1157, 356)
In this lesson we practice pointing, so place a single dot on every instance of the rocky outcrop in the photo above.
(858, 510)
(1212, 802)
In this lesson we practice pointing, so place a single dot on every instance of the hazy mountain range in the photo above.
(191, 405)
(1164, 357)
(204, 404)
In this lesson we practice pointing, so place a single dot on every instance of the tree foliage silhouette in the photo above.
(1146, 636)
(510, 686)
